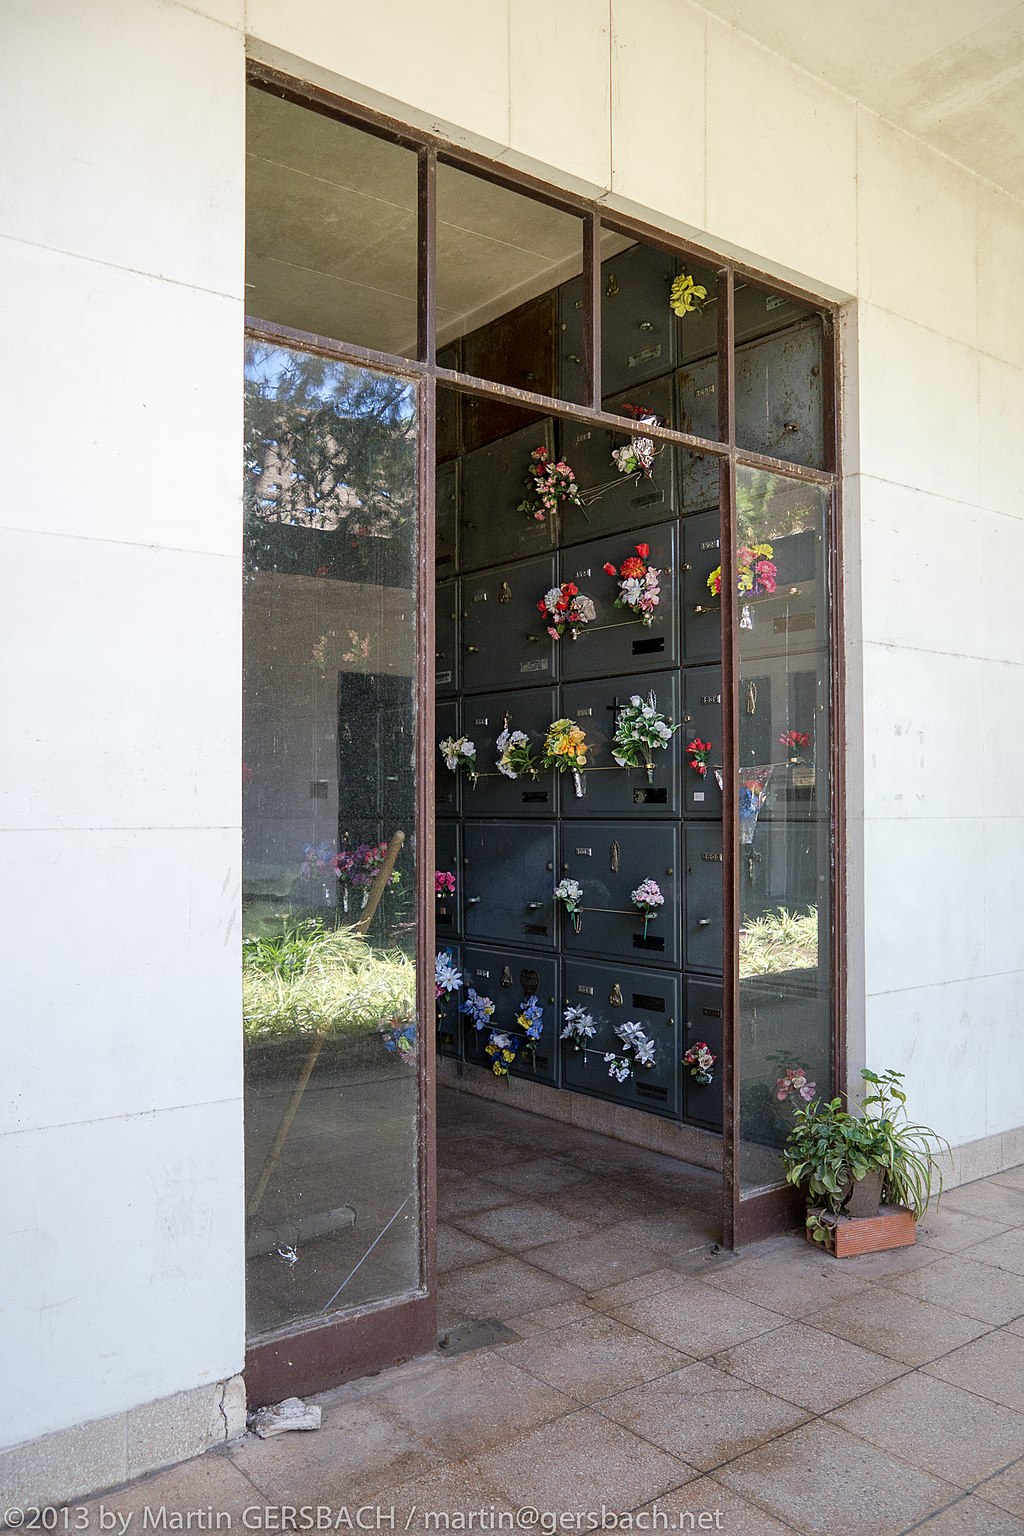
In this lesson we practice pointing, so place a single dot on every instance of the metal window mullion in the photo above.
(592, 311)
(426, 256)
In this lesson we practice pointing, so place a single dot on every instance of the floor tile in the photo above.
(789, 1276)
(996, 1202)
(1003, 1252)
(502, 1288)
(937, 1427)
(1013, 1178)
(451, 1489)
(210, 1481)
(826, 1482)
(993, 1367)
(698, 1319)
(962, 1284)
(542, 1176)
(971, 1516)
(594, 1359)
(595, 1261)
(526, 1224)
(669, 1234)
(458, 1196)
(807, 1367)
(542, 1321)
(634, 1289)
(457, 1250)
(722, 1509)
(467, 1404)
(897, 1326)
(703, 1416)
(1006, 1489)
(580, 1463)
(359, 1449)
(950, 1230)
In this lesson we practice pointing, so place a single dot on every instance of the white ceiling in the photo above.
(951, 72)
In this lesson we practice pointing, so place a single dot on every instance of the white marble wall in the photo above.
(121, 241)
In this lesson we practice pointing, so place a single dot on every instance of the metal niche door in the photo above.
(702, 930)
(611, 860)
(531, 711)
(702, 1102)
(510, 980)
(509, 883)
(624, 500)
(446, 640)
(618, 640)
(495, 479)
(609, 790)
(505, 637)
(614, 995)
(702, 721)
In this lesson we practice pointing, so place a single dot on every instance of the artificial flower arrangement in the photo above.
(515, 757)
(700, 1059)
(637, 1051)
(795, 1083)
(447, 976)
(637, 456)
(399, 1038)
(565, 748)
(444, 883)
(796, 743)
(578, 1027)
(504, 1045)
(640, 730)
(687, 296)
(553, 484)
(355, 868)
(753, 794)
(639, 585)
(459, 752)
(570, 894)
(647, 898)
(698, 752)
(478, 1008)
(756, 572)
(566, 608)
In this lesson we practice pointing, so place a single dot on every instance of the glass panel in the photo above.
(779, 377)
(330, 227)
(784, 810)
(329, 846)
(504, 264)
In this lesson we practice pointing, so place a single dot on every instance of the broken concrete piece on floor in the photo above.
(293, 1413)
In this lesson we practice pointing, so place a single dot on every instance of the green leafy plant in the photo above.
(306, 978)
(829, 1149)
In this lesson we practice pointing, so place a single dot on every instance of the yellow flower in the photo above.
(686, 295)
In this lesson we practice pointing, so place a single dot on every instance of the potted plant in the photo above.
(849, 1164)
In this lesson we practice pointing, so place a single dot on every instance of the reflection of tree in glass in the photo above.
(779, 941)
(771, 507)
(327, 444)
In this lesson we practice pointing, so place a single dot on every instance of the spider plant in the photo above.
(306, 979)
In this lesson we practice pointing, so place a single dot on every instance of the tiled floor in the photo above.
(628, 1364)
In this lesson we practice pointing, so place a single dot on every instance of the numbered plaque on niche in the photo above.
(614, 995)
(531, 711)
(618, 640)
(611, 860)
(510, 979)
(505, 640)
(609, 790)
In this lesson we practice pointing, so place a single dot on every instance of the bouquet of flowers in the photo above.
(319, 857)
(756, 572)
(700, 1059)
(698, 753)
(753, 794)
(639, 588)
(686, 296)
(579, 1027)
(570, 894)
(647, 898)
(444, 883)
(459, 752)
(515, 759)
(357, 869)
(795, 1083)
(478, 1008)
(566, 608)
(447, 978)
(565, 748)
(637, 456)
(637, 1051)
(795, 742)
(399, 1039)
(504, 1046)
(639, 731)
(552, 484)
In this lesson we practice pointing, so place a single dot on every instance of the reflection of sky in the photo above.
(272, 370)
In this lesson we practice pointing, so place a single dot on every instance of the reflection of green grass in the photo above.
(779, 941)
(303, 978)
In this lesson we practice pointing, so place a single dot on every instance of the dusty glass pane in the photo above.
(784, 810)
(329, 836)
(330, 227)
(780, 376)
